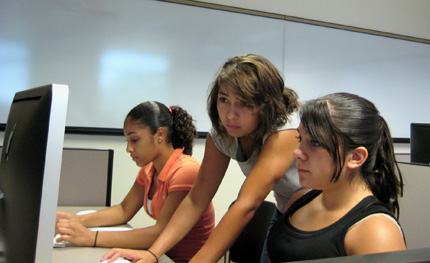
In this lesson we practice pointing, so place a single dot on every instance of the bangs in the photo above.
(318, 123)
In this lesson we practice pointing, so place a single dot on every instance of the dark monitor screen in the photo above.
(420, 143)
(30, 173)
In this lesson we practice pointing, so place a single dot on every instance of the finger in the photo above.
(65, 231)
(62, 215)
(110, 254)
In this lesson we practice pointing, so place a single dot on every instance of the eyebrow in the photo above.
(130, 133)
(222, 93)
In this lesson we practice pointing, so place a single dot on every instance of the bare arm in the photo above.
(73, 228)
(75, 232)
(376, 234)
(209, 178)
(143, 238)
(276, 157)
(115, 215)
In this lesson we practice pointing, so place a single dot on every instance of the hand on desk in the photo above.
(138, 256)
(62, 215)
(72, 231)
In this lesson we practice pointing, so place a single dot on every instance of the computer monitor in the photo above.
(420, 143)
(30, 173)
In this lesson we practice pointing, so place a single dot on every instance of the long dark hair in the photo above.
(341, 122)
(180, 127)
(256, 82)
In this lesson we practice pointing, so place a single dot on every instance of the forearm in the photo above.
(182, 221)
(110, 216)
(135, 239)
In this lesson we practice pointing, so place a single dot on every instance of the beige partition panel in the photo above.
(414, 205)
(86, 177)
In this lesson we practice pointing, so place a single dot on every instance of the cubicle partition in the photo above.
(414, 210)
(86, 177)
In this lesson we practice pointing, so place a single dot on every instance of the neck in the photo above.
(347, 194)
(245, 144)
(160, 161)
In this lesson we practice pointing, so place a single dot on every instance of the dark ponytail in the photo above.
(379, 171)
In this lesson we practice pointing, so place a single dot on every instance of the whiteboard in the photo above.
(114, 55)
(394, 74)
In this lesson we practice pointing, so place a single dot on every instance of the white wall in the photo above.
(409, 18)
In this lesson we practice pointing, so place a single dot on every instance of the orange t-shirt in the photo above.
(178, 174)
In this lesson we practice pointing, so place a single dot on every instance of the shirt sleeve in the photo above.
(183, 176)
(223, 144)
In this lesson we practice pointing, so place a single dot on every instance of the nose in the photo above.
(298, 153)
(232, 112)
(128, 148)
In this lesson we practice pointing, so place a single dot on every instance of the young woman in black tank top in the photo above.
(346, 155)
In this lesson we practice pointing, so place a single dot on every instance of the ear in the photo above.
(357, 157)
(161, 134)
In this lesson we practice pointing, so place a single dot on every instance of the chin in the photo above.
(232, 134)
(304, 183)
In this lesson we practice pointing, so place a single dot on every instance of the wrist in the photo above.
(154, 255)
(95, 238)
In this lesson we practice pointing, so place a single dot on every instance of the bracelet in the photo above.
(156, 258)
(95, 239)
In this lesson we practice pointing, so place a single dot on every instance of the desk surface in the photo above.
(72, 254)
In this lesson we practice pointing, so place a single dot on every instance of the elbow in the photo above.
(246, 208)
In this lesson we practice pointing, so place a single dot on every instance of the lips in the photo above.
(300, 170)
(232, 127)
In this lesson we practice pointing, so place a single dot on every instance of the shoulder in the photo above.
(295, 197)
(227, 146)
(285, 140)
(185, 161)
(375, 233)
(289, 128)
(183, 173)
(293, 122)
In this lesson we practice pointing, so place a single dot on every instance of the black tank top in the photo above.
(286, 243)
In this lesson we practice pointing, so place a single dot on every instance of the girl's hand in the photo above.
(72, 231)
(62, 215)
(137, 256)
